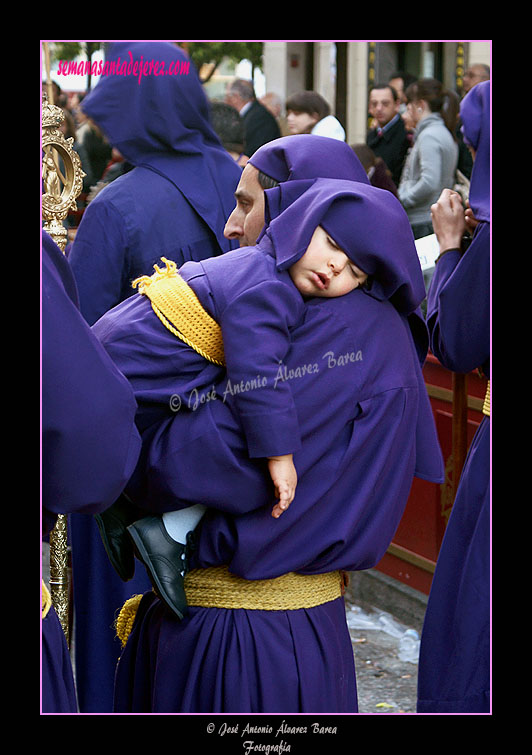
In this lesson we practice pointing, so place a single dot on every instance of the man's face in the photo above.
(247, 219)
(473, 76)
(382, 105)
(232, 98)
(398, 85)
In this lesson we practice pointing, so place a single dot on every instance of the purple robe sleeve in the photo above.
(458, 306)
(256, 329)
(89, 441)
(98, 259)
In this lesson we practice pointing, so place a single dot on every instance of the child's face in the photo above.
(325, 270)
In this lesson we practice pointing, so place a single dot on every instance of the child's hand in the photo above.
(284, 478)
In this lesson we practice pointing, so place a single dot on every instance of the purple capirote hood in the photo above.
(475, 113)
(306, 156)
(368, 224)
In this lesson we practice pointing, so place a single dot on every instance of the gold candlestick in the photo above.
(62, 183)
(61, 173)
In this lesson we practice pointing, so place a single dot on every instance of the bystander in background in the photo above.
(229, 126)
(259, 124)
(400, 81)
(375, 167)
(309, 113)
(274, 104)
(388, 138)
(431, 164)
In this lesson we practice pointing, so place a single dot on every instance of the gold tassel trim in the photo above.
(486, 407)
(126, 617)
(179, 309)
(216, 587)
(46, 600)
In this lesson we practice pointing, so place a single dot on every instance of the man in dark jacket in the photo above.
(389, 138)
(259, 124)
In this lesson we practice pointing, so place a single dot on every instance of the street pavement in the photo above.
(386, 654)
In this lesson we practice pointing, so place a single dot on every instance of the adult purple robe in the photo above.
(177, 198)
(173, 203)
(89, 441)
(366, 429)
(454, 663)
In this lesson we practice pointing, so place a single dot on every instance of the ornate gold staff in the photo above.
(62, 183)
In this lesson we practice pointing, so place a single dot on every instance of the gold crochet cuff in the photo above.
(179, 309)
(216, 587)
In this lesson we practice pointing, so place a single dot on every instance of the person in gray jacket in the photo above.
(431, 164)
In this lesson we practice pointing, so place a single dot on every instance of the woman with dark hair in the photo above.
(431, 164)
(309, 113)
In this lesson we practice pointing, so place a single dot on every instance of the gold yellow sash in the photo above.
(179, 309)
(216, 587)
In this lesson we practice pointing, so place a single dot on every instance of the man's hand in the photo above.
(448, 220)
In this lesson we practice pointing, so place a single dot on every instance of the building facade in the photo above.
(343, 72)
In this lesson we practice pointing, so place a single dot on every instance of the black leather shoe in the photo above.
(113, 524)
(165, 560)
